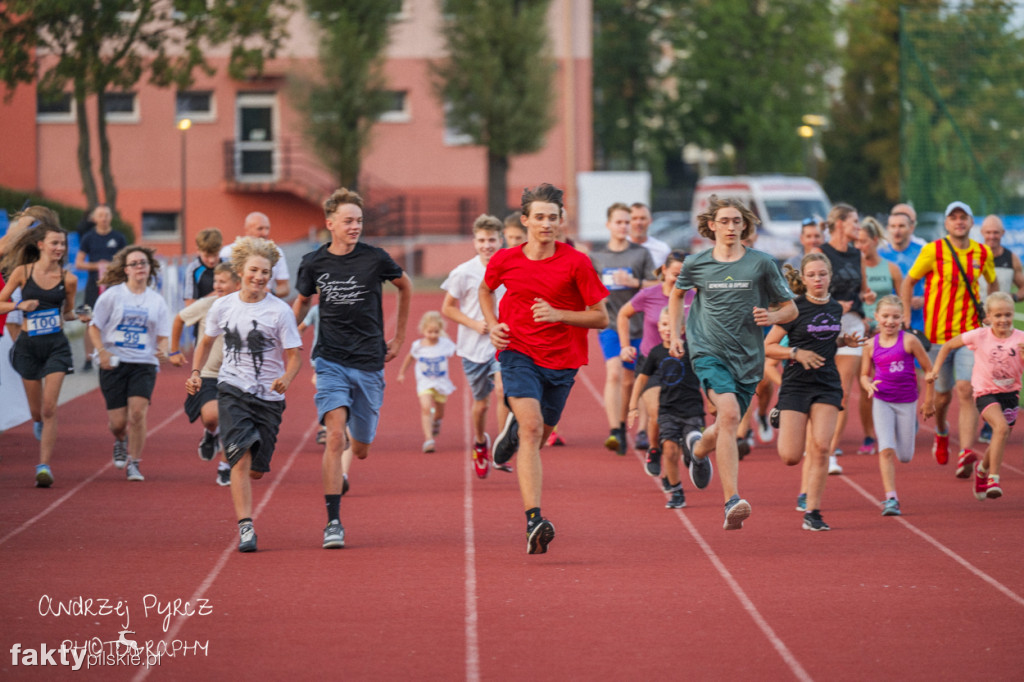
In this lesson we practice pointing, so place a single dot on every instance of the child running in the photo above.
(996, 378)
(888, 377)
(811, 394)
(433, 382)
(680, 406)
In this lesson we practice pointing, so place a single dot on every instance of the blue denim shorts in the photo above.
(480, 376)
(715, 376)
(523, 379)
(360, 391)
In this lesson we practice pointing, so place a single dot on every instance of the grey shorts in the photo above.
(958, 367)
(674, 428)
(480, 376)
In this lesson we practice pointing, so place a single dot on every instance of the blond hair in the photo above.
(432, 317)
(247, 247)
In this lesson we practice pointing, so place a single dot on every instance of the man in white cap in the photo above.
(952, 268)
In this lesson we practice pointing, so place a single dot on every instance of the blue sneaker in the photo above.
(986, 433)
(736, 512)
(892, 508)
(507, 442)
(44, 477)
(37, 429)
(700, 468)
(801, 502)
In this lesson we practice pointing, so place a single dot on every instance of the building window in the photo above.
(157, 226)
(398, 107)
(194, 104)
(453, 135)
(121, 107)
(55, 108)
(400, 10)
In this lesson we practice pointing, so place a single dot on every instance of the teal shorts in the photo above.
(715, 376)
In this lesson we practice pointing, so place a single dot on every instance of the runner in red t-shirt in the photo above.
(552, 296)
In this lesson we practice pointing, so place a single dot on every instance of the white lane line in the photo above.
(69, 494)
(231, 549)
(472, 616)
(939, 546)
(779, 646)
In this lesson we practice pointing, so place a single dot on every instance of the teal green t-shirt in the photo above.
(721, 321)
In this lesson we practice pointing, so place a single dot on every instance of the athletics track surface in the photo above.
(435, 582)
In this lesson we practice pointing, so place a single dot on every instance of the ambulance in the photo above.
(782, 202)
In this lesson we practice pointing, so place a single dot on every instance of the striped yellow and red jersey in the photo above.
(948, 309)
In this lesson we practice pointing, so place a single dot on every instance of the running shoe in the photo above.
(665, 485)
(994, 490)
(700, 467)
(677, 501)
(986, 433)
(868, 447)
(554, 441)
(764, 429)
(940, 448)
(224, 477)
(742, 447)
(507, 442)
(435, 429)
(773, 417)
(801, 502)
(652, 465)
(131, 470)
(120, 453)
(44, 477)
(641, 442)
(539, 536)
(985, 487)
(246, 538)
(833, 466)
(482, 457)
(612, 441)
(428, 445)
(891, 507)
(964, 463)
(334, 535)
(813, 521)
(321, 435)
(37, 430)
(736, 512)
(207, 446)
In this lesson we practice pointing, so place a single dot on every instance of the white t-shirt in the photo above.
(464, 285)
(130, 323)
(432, 365)
(255, 338)
(280, 271)
(659, 250)
(196, 314)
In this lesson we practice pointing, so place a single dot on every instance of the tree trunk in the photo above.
(497, 184)
(109, 186)
(84, 148)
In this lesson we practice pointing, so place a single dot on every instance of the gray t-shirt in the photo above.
(721, 321)
(637, 262)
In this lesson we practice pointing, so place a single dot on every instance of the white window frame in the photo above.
(197, 116)
(403, 115)
(453, 137)
(124, 117)
(57, 117)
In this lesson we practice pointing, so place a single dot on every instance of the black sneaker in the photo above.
(773, 417)
(813, 521)
(246, 538)
(120, 453)
(224, 477)
(507, 442)
(677, 501)
(641, 442)
(700, 468)
(665, 485)
(539, 536)
(736, 512)
(207, 446)
(652, 466)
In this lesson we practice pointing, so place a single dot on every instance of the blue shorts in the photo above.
(715, 376)
(524, 379)
(480, 376)
(610, 346)
(958, 366)
(358, 390)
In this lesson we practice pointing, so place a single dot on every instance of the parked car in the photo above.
(676, 229)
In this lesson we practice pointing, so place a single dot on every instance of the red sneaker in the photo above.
(965, 462)
(554, 440)
(482, 457)
(980, 483)
(941, 448)
(993, 490)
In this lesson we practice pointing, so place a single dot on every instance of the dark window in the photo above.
(194, 103)
(159, 225)
(54, 105)
(120, 104)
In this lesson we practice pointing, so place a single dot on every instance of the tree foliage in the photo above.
(92, 47)
(496, 82)
(342, 103)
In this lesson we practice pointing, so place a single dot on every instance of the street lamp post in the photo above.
(183, 125)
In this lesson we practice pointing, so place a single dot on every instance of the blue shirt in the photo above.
(904, 260)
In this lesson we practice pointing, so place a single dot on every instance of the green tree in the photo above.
(748, 71)
(496, 83)
(100, 46)
(342, 102)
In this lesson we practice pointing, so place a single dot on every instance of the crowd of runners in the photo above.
(701, 351)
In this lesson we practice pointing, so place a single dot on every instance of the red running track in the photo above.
(435, 582)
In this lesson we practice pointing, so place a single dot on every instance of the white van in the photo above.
(782, 202)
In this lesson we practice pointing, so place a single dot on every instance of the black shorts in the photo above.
(1008, 401)
(34, 357)
(127, 380)
(674, 428)
(194, 403)
(248, 424)
(799, 397)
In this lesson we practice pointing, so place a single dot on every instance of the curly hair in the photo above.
(704, 220)
(795, 277)
(26, 247)
(116, 274)
(247, 247)
(341, 196)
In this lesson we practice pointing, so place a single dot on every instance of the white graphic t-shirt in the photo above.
(130, 323)
(432, 365)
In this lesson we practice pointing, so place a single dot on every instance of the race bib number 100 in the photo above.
(40, 322)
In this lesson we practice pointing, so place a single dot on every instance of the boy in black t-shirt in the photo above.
(680, 408)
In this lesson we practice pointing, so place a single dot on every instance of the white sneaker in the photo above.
(764, 429)
(428, 445)
(833, 466)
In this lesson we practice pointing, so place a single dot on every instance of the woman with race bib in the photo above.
(41, 353)
(130, 327)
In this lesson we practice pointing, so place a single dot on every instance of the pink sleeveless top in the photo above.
(894, 370)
